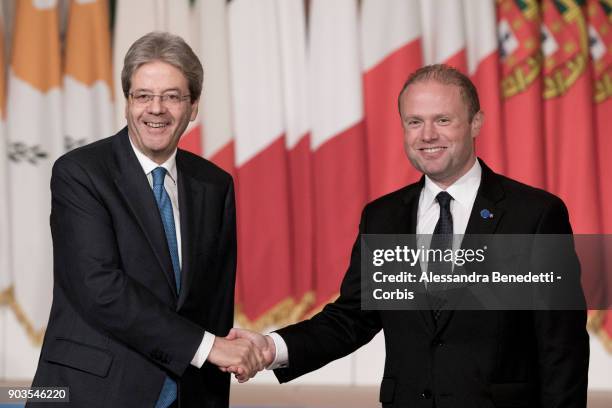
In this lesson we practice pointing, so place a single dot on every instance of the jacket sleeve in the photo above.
(562, 339)
(338, 330)
(87, 269)
(223, 267)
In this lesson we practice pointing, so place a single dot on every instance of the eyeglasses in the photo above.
(169, 99)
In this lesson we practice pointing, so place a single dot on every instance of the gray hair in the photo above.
(168, 48)
(446, 75)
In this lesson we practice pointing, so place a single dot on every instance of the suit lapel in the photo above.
(484, 219)
(490, 193)
(192, 205)
(137, 193)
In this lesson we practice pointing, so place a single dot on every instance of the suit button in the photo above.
(426, 394)
(437, 343)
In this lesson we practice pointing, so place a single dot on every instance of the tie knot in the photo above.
(158, 176)
(444, 199)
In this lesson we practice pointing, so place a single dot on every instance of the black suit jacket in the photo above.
(469, 358)
(117, 326)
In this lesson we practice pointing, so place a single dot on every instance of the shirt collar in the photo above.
(148, 165)
(463, 190)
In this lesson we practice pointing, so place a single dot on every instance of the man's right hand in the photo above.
(241, 354)
(263, 343)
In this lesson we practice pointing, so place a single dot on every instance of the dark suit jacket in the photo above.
(469, 358)
(117, 326)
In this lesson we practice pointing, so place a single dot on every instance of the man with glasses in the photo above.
(144, 240)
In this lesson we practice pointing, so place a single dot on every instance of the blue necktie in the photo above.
(168, 392)
(167, 216)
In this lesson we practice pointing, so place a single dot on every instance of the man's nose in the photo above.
(429, 132)
(156, 106)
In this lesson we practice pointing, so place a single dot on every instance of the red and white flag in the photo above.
(391, 50)
(261, 161)
(337, 138)
(443, 33)
(215, 111)
(294, 74)
(483, 68)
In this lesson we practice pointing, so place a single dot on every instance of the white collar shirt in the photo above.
(463, 191)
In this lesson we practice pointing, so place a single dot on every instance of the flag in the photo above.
(294, 74)
(445, 45)
(518, 27)
(215, 104)
(337, 138)
(600, 40)
(88, 108)
(261, 162)
(568, 113)
(483, 68)
(569, 129)
(35, 140)
(390, 51)
(215, 108)
(5, 232)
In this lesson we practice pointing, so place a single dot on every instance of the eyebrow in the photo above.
(435, 116)
(164, 91)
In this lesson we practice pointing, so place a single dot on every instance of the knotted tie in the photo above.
(168, 392)
(441, 239)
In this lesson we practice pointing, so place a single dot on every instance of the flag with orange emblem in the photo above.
(88, 108)
(34, 113)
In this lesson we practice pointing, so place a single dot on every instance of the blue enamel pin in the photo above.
(486, 214)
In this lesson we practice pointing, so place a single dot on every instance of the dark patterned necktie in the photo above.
(442, 239)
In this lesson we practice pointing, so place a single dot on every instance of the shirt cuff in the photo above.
(281, 359)
(204, 350)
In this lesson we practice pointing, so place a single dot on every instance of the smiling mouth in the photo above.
(156, 125)
(432, 149)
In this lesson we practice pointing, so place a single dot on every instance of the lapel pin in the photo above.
(486, 214)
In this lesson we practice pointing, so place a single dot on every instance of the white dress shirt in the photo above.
(463, 191)
(171, 186)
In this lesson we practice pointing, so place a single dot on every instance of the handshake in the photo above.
(243, 353)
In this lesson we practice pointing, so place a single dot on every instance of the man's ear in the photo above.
(477, 122)
(194, 110)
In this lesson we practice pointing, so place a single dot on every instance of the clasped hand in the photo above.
(243, 353)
